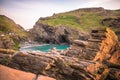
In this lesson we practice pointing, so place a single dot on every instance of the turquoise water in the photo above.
(46, 48)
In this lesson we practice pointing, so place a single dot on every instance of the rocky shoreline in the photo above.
(66, 66)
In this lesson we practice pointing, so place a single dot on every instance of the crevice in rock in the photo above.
(36, 77)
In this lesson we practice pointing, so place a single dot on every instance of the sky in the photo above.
(27, 12)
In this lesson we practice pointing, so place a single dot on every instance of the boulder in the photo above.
(80, 43)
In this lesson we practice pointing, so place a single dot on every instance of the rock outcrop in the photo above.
(108, 46)
(105, 65)
(113, 23)
(48, 34)
(107, 62)
(86, 49)
(53, 65)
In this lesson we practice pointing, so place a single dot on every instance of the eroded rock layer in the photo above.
(105, 65)
(107, 62)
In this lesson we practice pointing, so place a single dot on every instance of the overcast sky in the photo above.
(27, 12)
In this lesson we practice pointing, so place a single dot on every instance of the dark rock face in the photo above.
(113, 23)
(49, 34)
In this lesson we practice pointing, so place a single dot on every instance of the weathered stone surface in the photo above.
(113, 23)
(115, 58)
(6, 55)
(53, 65)
(87, 49)
(6, 42)
(80, 43)
(114, 74)
(86, 53)
(108, 46)
(98, 70)
(71, 66)
(48, 34)
(7, 51)
(107, 59)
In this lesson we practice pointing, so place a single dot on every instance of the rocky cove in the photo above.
(66, 66)
(56, 35)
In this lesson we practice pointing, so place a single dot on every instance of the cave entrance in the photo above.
(63, 39)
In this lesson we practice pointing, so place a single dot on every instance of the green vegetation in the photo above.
(8, 26)
(3, 26)
(80, 19)
(12, 32)
(5, 60)
(62, 20)
(17, 46)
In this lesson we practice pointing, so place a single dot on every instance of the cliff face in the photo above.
(69, 26)
(62, 34)
(107, 66)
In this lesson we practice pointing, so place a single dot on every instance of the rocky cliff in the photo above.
(49, 34)
(107, 62)
(105, 65)
(69, 26)
(59, 28)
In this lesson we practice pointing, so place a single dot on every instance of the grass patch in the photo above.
(69, 21)
(85, 22)
(80, 19)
